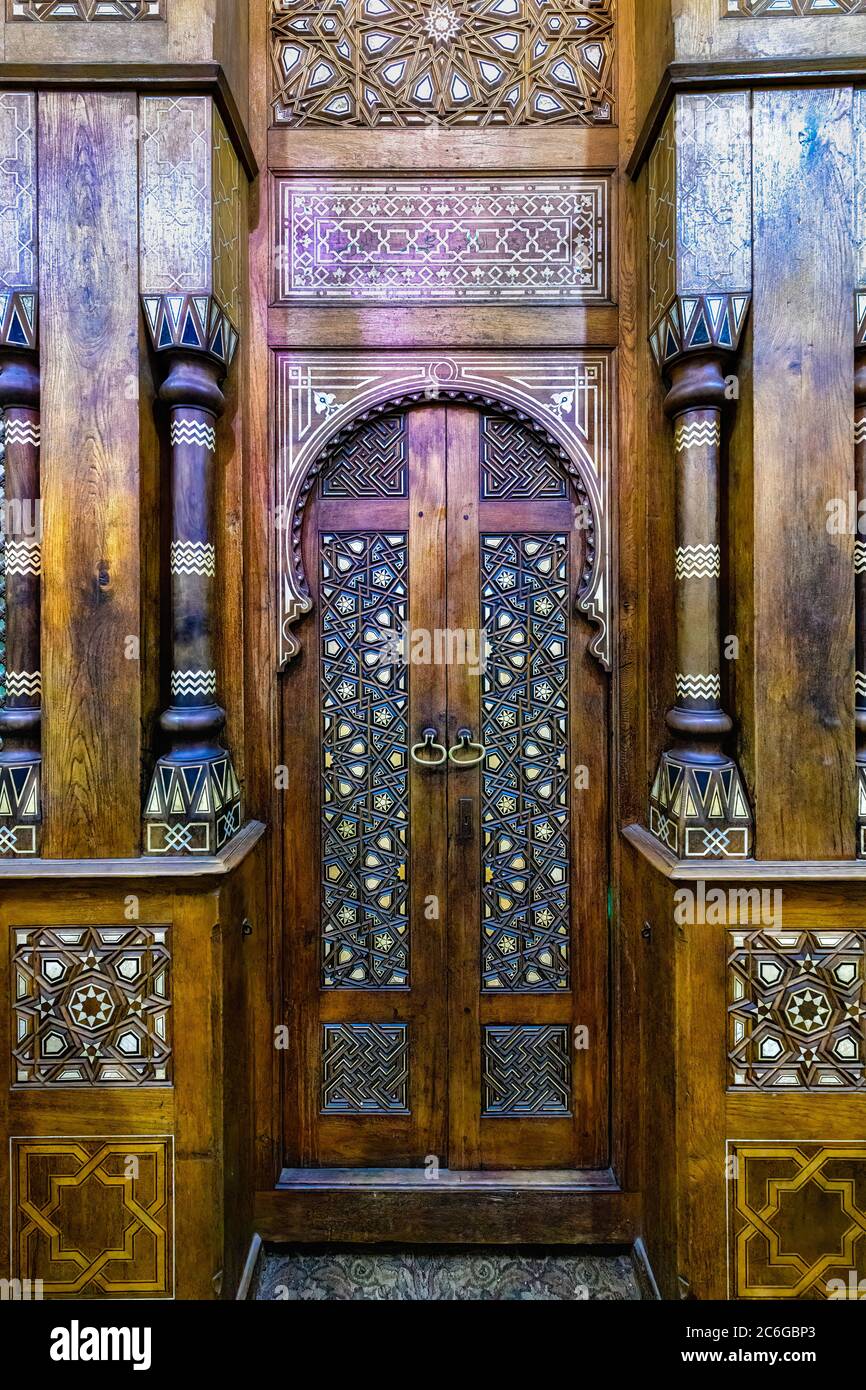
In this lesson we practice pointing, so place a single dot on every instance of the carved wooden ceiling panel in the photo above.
(452, 62)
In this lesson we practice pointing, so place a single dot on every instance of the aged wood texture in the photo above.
(89, 283)
(803, 716)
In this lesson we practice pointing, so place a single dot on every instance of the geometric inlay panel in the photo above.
(372, 464)
(85, 9)
(750, 9)
(796, 1218)
(449, 62)
(365, 1069)
(515, 464)
(441, 239)
(93, 1217)
(364, 605)
(797, 1010)
(525, 1070)
(91, 1006)
(525, 797)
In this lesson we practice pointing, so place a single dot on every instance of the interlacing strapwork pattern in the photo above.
(515, 463)
(797, 1010)
(750, 9)
(455, 62)
(85, 9)
(526, 1070)
(525, 797)
(372, 464)
(92, 1006)
(365, 1069)
(363, 602)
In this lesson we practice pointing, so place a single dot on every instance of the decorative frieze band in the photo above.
(85, 10)
(699, 687)
(699, 434)
(193, 432)
(24, 683)
(23, 557)
(765, 9)
(193, 557)
(189, 683)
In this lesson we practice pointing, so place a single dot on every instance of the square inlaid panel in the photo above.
(796, 1218)
(365, 1069)
(91, 1006)
(93, 1217)
(797, 1010)
(526, 1071)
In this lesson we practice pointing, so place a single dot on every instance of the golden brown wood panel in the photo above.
(90, 472)
(803, 717)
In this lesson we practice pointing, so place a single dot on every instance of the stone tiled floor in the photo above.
(406, 1275)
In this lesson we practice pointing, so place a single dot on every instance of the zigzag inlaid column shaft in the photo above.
(860, 586)
(698, 806)
(21, 714)
(194, 800)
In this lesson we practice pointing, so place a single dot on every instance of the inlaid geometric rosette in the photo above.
(119, 1190)
(796, 1218)
(91, 1006)
(192, 807)
(455, 62)
(700, 812)
(437, 239)
(525, 1071)
(797, 1010)
(319, 396)
(365, 1069)
(364, 605)
(525, 788)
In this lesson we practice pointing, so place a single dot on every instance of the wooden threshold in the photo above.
(401, 1206)
(150, 866)
(742, 870)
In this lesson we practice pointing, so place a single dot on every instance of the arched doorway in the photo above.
(446, 730)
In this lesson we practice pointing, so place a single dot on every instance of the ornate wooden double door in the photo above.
(445, 731)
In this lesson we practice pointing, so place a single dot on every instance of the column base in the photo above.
(699, 810)
(193, 806)
(20, 807)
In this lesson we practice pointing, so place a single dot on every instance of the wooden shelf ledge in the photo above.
(146, 866)
(742, 870)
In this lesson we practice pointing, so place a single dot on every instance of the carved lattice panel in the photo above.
(365, 754)
(442, 239)
(372, 464)
(92, 1006)
(515, 463)
(456, 62)
(796, 1219)
(119, 1187)
(365, 1069)
(85, 9)
(525, 794)
(797, 1010)
(753, 8)
(526, 1071)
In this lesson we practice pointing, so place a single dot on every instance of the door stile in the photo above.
(464, 856)
(428, 788)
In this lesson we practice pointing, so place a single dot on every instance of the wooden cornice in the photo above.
(750, 72)
(204, 79)
(175, 866)
(742, 870)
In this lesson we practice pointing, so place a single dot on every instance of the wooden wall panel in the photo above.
(90, 472)
(803, 717)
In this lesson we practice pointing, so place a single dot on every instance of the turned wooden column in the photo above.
(698, 804)
(194, 803)
(860, 577)
(21, 713)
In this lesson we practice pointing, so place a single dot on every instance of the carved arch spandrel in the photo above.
(322, 400)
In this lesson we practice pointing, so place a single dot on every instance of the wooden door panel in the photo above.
(446, 928)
